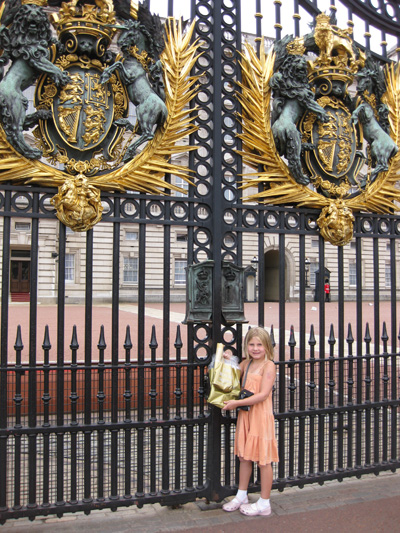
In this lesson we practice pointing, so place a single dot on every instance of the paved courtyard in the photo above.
(128, 315)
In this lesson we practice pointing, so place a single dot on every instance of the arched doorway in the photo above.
(271, 276)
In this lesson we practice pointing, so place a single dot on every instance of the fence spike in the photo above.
(367, 337)
(350, 338)
(153, 342)
(331, 339)
(18, 340)
(102, 342)
(272, 336)
(128, 342)
(385, 336)
(46, 339)
(74, 341)
(292, 340)
(178, 339)
(311, 340)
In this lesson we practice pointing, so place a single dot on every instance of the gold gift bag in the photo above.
(224, 380)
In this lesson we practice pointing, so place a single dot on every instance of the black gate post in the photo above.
(224, 164)
(213, 471)
(226, 30)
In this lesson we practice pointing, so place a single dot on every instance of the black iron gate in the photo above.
(101, 395)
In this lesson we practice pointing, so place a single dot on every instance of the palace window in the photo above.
(180, 182)
(131, 235)
(180, 272)
(181, 237)
(313, 268)
(130, 269)
(388, 271)
(70, 267)
(22, 226)
(352, 274)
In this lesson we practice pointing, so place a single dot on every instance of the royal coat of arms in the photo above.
(109, 62)
(321, 119)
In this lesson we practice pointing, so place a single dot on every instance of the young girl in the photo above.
(255, 429)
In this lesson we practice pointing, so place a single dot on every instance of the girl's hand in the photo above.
(229, 405)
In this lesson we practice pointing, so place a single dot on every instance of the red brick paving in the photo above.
(101, 315)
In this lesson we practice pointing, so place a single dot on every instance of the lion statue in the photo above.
(330, 38)
(26, 43)
(292, 97)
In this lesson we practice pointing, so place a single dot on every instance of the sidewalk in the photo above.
(367, 505)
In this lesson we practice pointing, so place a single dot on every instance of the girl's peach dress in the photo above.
(255, 429)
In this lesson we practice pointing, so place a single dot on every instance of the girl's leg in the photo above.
(245, 471)
(266, 481)
(262, 506)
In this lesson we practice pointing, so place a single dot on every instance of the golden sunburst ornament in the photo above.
(327, 174)
(145, 171)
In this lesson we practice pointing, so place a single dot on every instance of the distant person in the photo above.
(327, 289)
(255, 429)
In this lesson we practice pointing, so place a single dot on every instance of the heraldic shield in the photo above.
(84, 111)
(109, 62)
(337, 153)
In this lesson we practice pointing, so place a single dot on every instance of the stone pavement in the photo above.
(367, 505)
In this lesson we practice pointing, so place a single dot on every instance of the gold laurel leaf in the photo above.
(258, 144)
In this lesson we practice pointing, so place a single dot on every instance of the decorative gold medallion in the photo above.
(78, 203)
(310, 145)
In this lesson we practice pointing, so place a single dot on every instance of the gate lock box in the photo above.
(199, 293)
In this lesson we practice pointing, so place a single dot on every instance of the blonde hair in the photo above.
(264, 338)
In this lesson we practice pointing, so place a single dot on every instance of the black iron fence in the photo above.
(103, 409)
(92, 419)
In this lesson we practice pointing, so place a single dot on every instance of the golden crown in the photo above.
(88, 19)
(337, 58)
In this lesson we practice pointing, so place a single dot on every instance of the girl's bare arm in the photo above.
(267, 382)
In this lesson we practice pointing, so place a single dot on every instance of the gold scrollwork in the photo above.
(143, 57)
(119, 96)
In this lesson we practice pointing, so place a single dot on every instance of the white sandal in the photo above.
(253, 510)
(234, 504)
